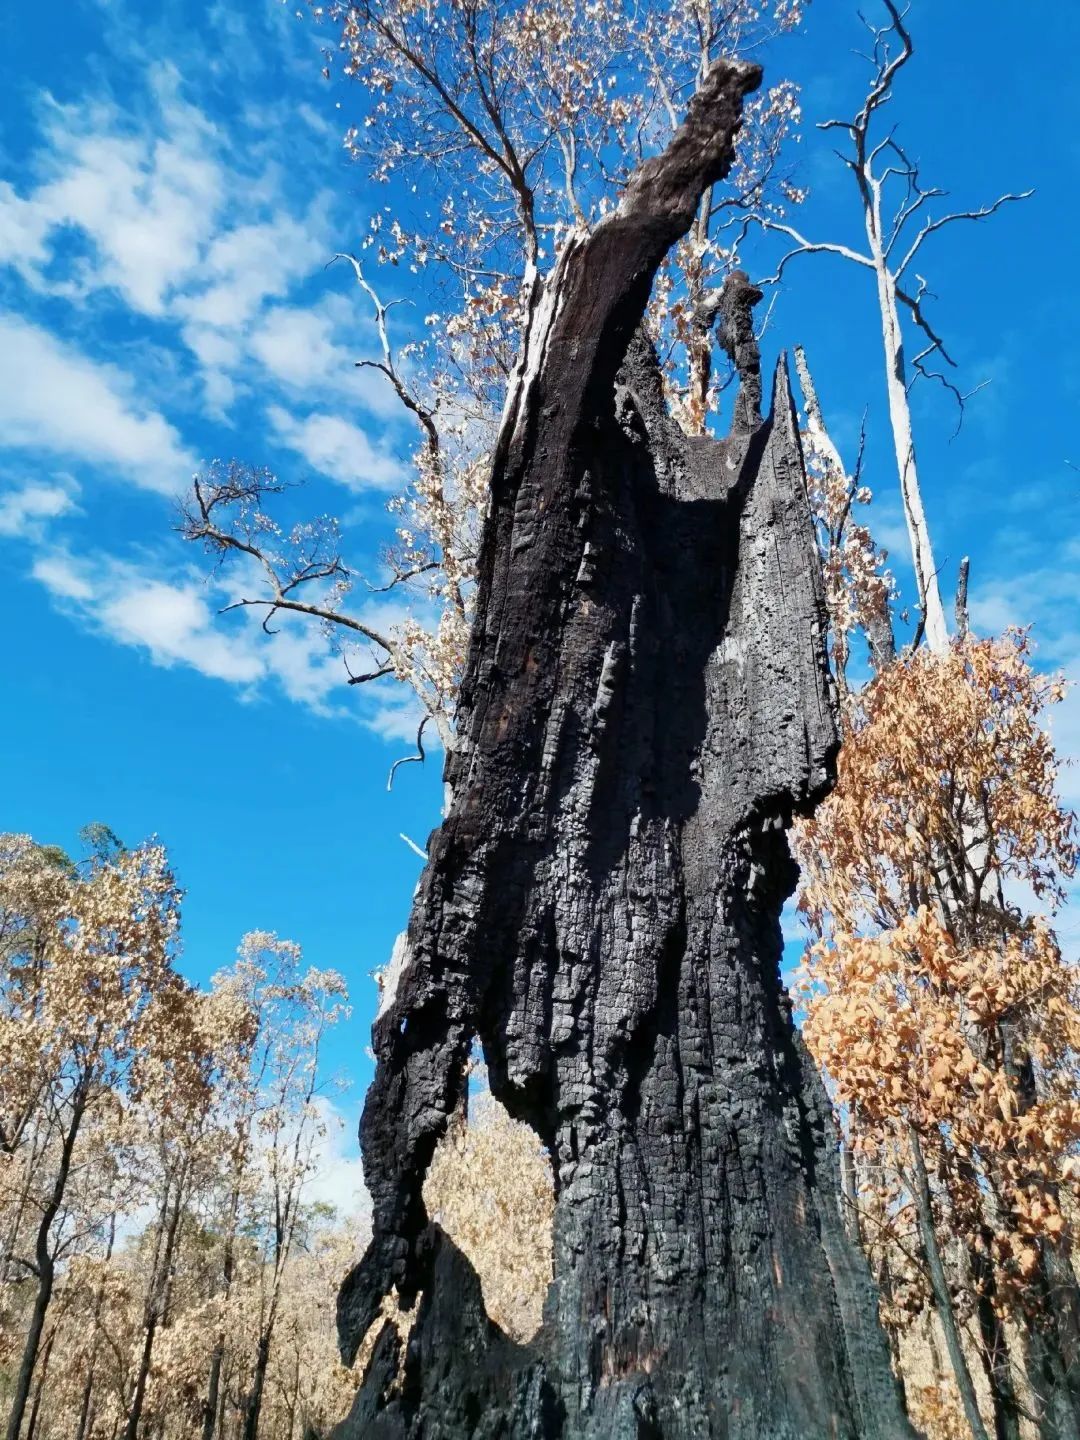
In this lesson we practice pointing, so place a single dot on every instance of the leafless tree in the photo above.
(301, 571)
(896, 207)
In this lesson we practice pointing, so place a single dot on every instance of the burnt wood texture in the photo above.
(646, 706)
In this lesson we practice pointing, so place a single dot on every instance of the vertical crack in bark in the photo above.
(646, 706)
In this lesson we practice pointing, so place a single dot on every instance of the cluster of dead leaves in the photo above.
(935, 992)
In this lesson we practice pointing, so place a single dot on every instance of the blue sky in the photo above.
(172, 185)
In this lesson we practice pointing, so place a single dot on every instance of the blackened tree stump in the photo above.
(646, 707)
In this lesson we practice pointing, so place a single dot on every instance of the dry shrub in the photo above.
(490, 1188)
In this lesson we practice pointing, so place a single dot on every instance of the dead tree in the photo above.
(891, 253)
(645, 708)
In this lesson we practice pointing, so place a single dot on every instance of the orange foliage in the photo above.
(936, 997)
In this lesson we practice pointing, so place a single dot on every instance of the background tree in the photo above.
(88, 989)
(948, 865)
(895, 235)
(294, 1008)
(179, 1145)
(940, 1005)
(155, 1135)
(929, 886)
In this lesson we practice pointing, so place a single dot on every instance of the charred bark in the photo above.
(646, 707)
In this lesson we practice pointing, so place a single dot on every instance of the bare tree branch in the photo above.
(387, 365)
(804, 246)
(887, 68)
(932, 226)
(318, 612)
(410, 759)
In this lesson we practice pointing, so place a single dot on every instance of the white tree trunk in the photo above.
(922, 554)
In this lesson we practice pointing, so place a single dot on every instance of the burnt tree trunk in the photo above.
(646, 706)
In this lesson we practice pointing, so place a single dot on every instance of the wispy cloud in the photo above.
(163, 274)
(189, 223)
(337, 448)
(56, 400)
(303, 348)
(1047, 598)
(145, 203)
(26, 512)
(170, 613)
(173, 619)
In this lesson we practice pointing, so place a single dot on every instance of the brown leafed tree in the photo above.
(88, 991)
(199, 1124)
(940, 1006)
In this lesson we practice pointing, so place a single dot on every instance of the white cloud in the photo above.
(147, 202)
(171, 620)
(202, 230)
(61, 578)
(245, 265)
(890, 533)
(23, 229)
(174, 619)
(1047, 598)
(322, 127)
(186, 223)
(175, 624)
(193, 242)
(54, 398)
(243, 269)
(24, 513)
(300, 348)
(394, 714)
(338, 1175)
(336, 448)
(295, 345)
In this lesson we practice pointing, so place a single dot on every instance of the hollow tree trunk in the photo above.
(645, 707)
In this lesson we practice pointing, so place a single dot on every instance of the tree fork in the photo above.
(645, 708)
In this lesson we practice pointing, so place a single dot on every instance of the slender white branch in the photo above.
(887, 69)
(932, 226)
(803, 246)
(386, 366)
